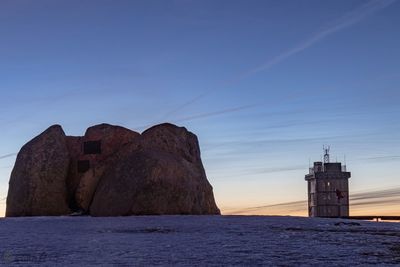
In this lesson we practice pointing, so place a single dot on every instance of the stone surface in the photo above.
(37, 183)
(113, 138)
(111, 171)
(162, 175)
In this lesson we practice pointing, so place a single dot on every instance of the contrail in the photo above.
(295, 205)
(8, 155)
(273, 170)
(343, 22)
(184, 105)
(205, 115)
(382, 158)
(214, 113)
(379, 194)
(376, 197)
(292, 96)
(7, 167)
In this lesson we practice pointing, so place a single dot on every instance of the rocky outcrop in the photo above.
(83, 184)
(160, 173)
(111, 171)
(37, 183)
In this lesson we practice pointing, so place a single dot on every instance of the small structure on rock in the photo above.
(110, 171)
(328, 188)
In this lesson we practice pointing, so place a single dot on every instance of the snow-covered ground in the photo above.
(197, 240)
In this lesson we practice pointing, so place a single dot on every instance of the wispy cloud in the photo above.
(8, 155)
(337, 25)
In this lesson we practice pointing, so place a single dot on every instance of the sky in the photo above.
(263, 84)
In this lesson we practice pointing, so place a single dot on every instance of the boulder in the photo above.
(38, 181)
(164, 175)
(113, 138)
(111, 171)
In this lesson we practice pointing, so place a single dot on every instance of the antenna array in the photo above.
(326, 153)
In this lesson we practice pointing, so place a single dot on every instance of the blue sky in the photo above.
(264, 84)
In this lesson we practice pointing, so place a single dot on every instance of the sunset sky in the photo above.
(263, 84)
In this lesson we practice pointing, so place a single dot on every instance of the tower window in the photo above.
(83, 166)
(92, 147)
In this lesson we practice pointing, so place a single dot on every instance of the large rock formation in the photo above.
(111, 171)
(37, 184)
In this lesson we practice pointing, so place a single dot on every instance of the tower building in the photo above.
(328, 188)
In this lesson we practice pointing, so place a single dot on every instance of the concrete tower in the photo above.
(328, 189)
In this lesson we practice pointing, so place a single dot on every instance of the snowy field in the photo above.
(197, 241)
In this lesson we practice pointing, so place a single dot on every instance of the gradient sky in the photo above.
(263, 84)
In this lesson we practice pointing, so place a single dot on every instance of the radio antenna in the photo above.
(326, 153)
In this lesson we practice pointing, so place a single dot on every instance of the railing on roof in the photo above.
(311, 170)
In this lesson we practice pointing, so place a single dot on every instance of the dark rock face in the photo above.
(160, 173)
(111, 171)
(37, 183)
(112, 139)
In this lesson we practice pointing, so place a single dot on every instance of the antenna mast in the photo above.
(326, 153)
